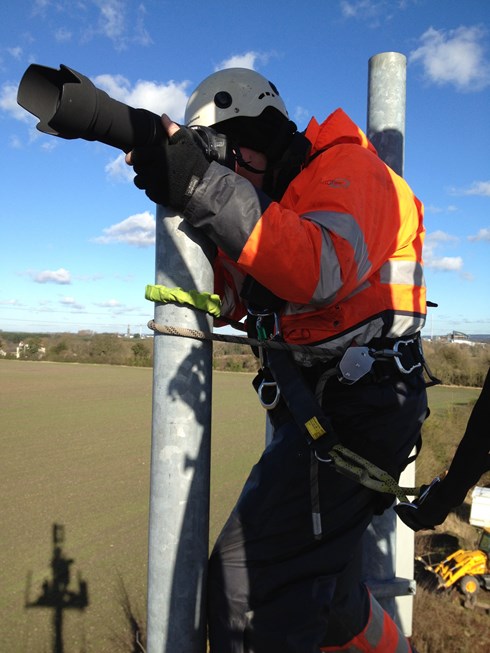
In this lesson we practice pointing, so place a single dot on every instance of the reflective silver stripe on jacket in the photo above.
(345, 226)
(409, 273)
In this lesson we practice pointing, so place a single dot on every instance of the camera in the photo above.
(70, 106)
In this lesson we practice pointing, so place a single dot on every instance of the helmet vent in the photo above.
(274, 88)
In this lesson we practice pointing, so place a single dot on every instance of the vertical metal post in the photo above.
(387, 106)
(387, 548)
(180, 449)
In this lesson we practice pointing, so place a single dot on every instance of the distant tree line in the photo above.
(452, 363)
(458, 364)
(102, 348)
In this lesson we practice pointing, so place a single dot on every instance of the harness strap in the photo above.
(320, 434)
(316, 515)
(307, 413)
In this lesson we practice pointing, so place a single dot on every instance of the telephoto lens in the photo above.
(68, 105)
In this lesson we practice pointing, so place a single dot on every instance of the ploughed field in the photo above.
(75, 450)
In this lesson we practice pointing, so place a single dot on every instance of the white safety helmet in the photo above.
(232, 93)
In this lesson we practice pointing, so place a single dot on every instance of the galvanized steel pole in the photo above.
(388, 548)
(180, 449)
(387, 106)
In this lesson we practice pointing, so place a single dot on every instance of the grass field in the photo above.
(75, 442)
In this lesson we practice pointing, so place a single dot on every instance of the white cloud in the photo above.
(373, 11)
(455, 57)
(110, 303)
(89, 278)
(116, 308)
(60, 276)
(72, 303)
(433, 260)
(169, 98)
(141, 35)
(481, 188)
(118, 169)
(478, 188)
(16, 52)
(245, 60)
(120, 21)
(112, 18)
(63, 35)
(301, 116)
(441, 209)
(15, 142)
(137, 230)
(115, 23)
(40, 6)
(483, 234)
(8, 103)
(10, 302)
(361, 8)
(448, 263)
(439, 237)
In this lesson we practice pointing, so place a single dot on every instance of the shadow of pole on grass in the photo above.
(55, 593)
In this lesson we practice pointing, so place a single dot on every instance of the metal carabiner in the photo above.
(399, 364)
(268, 384)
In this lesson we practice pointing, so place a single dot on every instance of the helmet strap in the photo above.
(281, 173)
(243, 164)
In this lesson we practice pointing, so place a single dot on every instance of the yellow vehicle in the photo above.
(467, 570)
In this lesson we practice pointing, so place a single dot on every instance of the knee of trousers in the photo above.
(380, 635)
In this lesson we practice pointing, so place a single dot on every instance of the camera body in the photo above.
(216, 147)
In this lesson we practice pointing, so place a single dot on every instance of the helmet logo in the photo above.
(223, 100)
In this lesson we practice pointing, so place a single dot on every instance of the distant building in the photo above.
(23, 348)
(460, 338)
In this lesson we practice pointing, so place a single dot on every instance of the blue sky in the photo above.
(77, 245)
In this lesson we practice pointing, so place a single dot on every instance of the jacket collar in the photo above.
(338, 128)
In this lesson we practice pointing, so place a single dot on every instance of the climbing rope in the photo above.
(241, 340)
(351, 464)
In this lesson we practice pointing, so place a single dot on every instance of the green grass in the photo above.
(441, 396)
(75, 447)
(450, 407)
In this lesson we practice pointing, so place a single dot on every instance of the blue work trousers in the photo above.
(275, 587)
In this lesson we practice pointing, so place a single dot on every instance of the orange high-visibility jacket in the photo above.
(343, 246)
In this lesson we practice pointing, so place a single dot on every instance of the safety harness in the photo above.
(320, 434)
(279, 378)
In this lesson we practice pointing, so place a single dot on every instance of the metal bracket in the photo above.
(354, 364)
(391, 588)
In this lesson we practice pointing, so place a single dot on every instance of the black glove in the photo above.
(170, 173)
(470, 462)
(429, 510)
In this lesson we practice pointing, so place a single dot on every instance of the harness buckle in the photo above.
(268, 405)
(399, 356)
